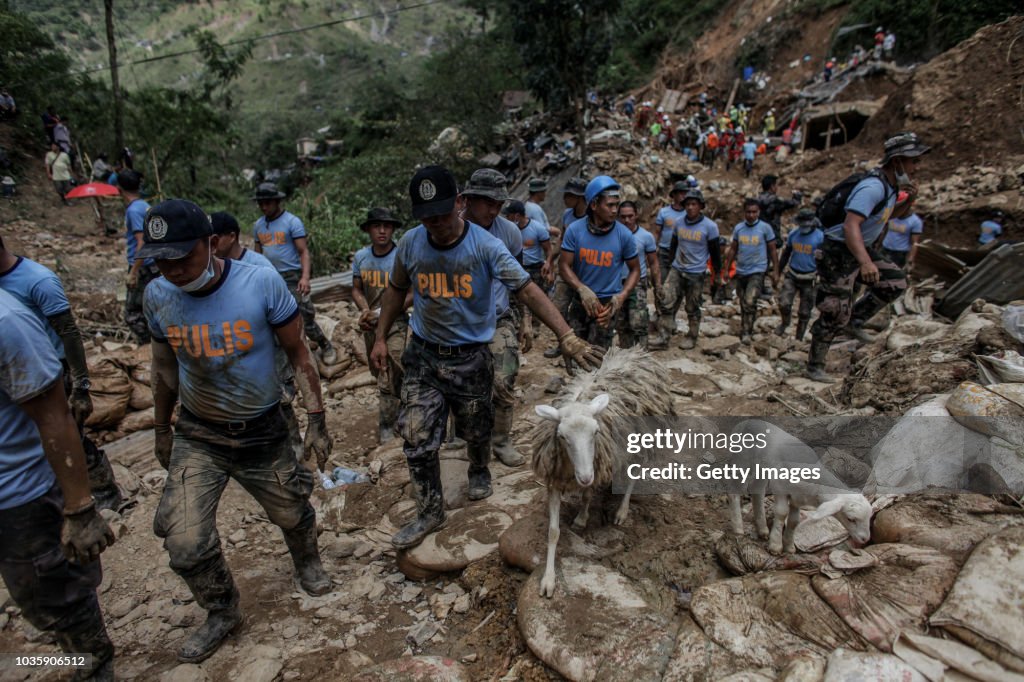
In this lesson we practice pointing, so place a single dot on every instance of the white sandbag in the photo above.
(933, 656)
(1005, 367)
(986, 597)
(912, 331)
(1013, 320)
(994, 410)
(852, 666)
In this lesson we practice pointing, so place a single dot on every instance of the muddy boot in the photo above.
(215, 591)
(688, 342)
(310, 572)
(294, 433)
(501, 441)
(801, 328)
(389, 406)
(425, 473)
(455, 443)
(816, 363)
(327, 353)
(101, 477)
(857, 332)
(479, 474)
(784, 325)
(746, 328)
(643, 341)
(89, 636)
(659, 342)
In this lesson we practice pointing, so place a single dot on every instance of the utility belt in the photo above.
(802, 276)
(270, 423)
(464, 349)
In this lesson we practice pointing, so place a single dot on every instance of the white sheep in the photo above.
(825, 496)
(578, 444)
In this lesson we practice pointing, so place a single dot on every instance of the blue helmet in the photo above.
(601, 183)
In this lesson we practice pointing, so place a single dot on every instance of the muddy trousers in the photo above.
(897, 257)
(389, 383)
(53, 593)
(504, 349)
(839, 277)
(665, 258)
(133, 316)
(794, 283)
(306, 309)
(634, 319)
(587, 328)
(748, 288)
(101, 476)
(258, 455)
(681, 288)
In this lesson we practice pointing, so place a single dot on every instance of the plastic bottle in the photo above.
(326, 481)
(343, 476)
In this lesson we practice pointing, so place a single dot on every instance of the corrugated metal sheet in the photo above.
(336, 287)
(999, 279)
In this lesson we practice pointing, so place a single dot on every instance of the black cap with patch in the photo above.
(433, 191)
(172, 228)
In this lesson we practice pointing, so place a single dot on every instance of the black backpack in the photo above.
(832, 210)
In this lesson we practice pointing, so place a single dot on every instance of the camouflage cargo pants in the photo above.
(792, 285)
(438, 379)
(390, 383)
(204, 458)
(840, 275)
(306, 309)
(133, 316)
(680, 288)
(505, 350)
(635, 319)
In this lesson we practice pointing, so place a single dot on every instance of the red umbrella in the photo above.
(93, 189)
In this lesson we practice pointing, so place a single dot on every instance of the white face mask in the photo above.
(204, 278)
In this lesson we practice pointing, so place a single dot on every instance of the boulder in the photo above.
(525, 544)
(470, 534)
(597, 626)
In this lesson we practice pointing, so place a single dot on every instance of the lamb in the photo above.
(824, 496)
(577, 445)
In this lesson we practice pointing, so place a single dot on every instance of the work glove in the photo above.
(164, 440)
(85, 535)
(609, 311)
(589, 300)
(131, 280)
(574, 348)
(318, 441)
(368, 320)
(526, 335)
(81, 405)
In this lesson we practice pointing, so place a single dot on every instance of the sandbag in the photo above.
(1013, 320)
(899, 593)
(742, 555)
(952, 524)
(141, 397)
(137, 421)
(994, 410)
(986, 598)
(331, 371)
(771, 618)
(933, 656)
(111, 391)
(912, 331)
(1006, 367)
(853, 666)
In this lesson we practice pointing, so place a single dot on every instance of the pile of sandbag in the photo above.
(122, 399)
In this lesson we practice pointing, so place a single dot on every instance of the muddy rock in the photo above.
(471, 534)
(415, 669)
(596, 626)
(186, 672)
(524, 544)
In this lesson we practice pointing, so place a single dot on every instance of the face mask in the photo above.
(901, 176)
(204, 278)
(751, 223)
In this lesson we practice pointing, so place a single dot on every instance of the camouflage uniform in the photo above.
(587, 328)
(680, 288)
(840, 275)
(133, 316)
(792, 284)
(505, 351)
(635, 320)
(306, 309)
(389, 384)
(748, 287)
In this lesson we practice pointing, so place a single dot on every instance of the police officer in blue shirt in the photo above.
(635, 321)
(40, 290)
(748, 245)
(141, 271)
(902, 235)
(45, 506)
(665, 222)
(803, 246)
(849, 259)
(574, 198)
(594, 251)
(281, 237)
(214, 323)
(450, 265)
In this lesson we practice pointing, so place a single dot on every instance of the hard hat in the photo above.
(602, 183)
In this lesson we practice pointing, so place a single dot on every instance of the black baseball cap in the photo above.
(515, 206)
(433, 191)
(172, 229)
(224, 223)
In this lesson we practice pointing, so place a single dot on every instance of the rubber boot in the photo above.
(327, 352)
(784, 325)
(746, 328)
(857, 332)
(479, 474)
(89, 636)
(215, 591)
(501, 441)
(310, 572)
(801, 328)
(690, 341)
(104, 488)
(816, 362)
(389, 407)
(666, 327)
(425, 473)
